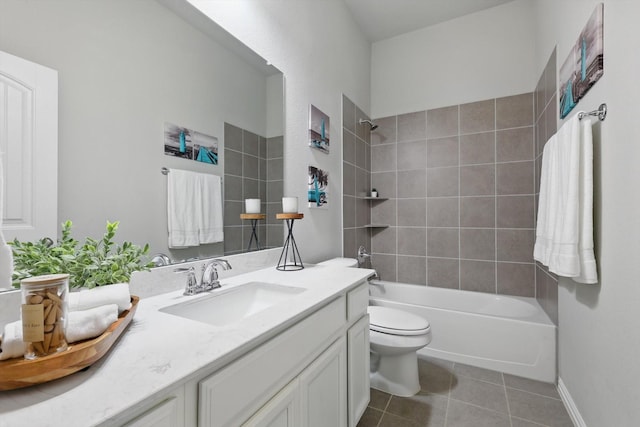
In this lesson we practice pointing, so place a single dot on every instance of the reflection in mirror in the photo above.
(124, 69)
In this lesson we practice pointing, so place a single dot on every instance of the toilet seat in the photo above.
(396, 322)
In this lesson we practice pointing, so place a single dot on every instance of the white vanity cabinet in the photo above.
(299, 378)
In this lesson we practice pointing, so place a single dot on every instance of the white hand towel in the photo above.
(210, 218)
(183, 212)
(6, 255)
(85, 324)
(81, 325)
(12, 345)
(110, 294)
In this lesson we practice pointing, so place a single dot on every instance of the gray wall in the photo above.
(356, 183)
(460, 183)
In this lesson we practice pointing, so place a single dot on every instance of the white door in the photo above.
(28, 149)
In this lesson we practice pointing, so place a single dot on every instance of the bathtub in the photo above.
(503, 333)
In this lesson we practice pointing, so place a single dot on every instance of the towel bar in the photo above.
(601, 112)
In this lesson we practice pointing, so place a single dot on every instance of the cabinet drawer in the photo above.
(231, 395)
(357, 301)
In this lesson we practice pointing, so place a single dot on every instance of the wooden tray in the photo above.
(18, 372)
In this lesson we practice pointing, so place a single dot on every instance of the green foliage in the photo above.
(95, 263)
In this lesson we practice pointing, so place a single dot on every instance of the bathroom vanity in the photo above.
(298, 356)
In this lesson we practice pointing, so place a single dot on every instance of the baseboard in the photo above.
(572, 409)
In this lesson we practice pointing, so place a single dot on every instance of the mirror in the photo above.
(124, 70)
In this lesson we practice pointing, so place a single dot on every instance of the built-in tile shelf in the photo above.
(376, 226)
(373, 198)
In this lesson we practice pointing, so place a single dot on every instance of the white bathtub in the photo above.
(503, 333)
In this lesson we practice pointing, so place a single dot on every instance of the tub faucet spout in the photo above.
(363, 255)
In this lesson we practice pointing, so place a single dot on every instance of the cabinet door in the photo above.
(358, 362)
(281, 411)
(166, 414)
(323, 389)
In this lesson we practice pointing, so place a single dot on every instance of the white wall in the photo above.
(125, 67)
(322, 54)
(599, 342)
(483, 55)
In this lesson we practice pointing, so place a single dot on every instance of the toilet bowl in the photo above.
(395, 336)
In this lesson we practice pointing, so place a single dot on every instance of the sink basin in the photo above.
(231, 306)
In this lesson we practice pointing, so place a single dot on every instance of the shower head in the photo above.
(370, 123)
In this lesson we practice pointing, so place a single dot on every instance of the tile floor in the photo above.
(457, 395)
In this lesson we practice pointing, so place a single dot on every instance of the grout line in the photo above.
(506, 396)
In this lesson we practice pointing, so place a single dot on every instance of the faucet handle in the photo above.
(192, 287)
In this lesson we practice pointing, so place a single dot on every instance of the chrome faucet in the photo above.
(209, 280)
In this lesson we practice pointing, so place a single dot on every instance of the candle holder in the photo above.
(290, 257)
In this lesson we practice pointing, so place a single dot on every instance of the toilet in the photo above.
(395, 337)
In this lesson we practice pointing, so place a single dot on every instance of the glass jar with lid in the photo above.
(44, 314)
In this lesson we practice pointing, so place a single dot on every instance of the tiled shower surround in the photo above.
(253, 169)
(459, 183)
(546, 102)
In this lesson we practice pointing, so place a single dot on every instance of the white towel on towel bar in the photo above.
(194, 208)
(564, 232)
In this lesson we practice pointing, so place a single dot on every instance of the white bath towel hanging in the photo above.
(564, 232)
(182, 216)
(194, 208)
(210, 228)
(6, 255)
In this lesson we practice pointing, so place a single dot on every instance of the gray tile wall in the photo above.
(461, 193)
(253, 169)
(546, 124)
(356, 179)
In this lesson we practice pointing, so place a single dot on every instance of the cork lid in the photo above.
(47, 279)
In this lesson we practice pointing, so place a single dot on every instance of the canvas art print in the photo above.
(318, 130)
(584, 65)
(318, 184)
(189, 144)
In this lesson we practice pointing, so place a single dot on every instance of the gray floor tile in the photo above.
(370, 418)
(379, 399)
(478, 373)
(517, 422)
(435, 375)
(461, 414)
(480, 393)
(544, 410)
(390, 420)
(423, 408)
(532, 386)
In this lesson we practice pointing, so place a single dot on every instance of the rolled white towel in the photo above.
(101, 295)
(81, 325)
(91, 323)
(12, 344)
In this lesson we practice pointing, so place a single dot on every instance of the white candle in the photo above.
(252, 206)
(290, 205)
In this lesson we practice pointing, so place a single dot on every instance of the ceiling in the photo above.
(382, 19)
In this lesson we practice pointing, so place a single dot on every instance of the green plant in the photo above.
(95, 263)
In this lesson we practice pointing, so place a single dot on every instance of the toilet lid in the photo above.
(397, 322)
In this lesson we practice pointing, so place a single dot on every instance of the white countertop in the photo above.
(160, 350)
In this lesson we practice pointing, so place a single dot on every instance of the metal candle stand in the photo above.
(290, 245)
(254, 218)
